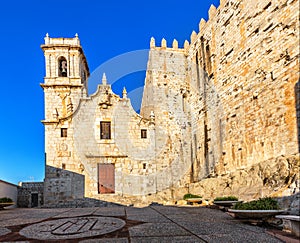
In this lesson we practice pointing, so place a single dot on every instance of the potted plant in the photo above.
(257, 209)
(191, 198)
(5, 202)
(227, 201)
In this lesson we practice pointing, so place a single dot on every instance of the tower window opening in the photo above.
(144, 133)
(62, 67)
(64, 132)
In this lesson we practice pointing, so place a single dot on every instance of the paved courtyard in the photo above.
(127, 224)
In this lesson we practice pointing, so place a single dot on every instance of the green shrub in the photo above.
(5, 200)
(229, 198)
(189, 195)
(266, 203)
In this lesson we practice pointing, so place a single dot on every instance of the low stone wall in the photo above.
(62, 186)
(30, 194)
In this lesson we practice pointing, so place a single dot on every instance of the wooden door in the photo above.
(106, 178)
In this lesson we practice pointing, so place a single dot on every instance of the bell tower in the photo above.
(65, 84)
(66, 76)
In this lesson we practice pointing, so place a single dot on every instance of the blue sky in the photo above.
(106, 29)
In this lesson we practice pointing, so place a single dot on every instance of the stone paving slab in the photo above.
(171, 210)
(76, 212)
(251, 228)
(245, 237)
(150, 218)
(157, 229)
(106, 240)
(146, 210)
(110, 211)
(173, 239)
(149, 224)
(27, 216)
(19, 216)
(207, 228)
(146, 215)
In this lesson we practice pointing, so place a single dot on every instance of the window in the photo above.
(63, 166)
(64, 132)
(144, 166)
(62, 67)
(105, 131)
(143, 133)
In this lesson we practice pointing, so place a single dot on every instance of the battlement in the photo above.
(194, 35)
(164, 46)
(62, 41)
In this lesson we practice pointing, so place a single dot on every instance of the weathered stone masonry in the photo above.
(248, 54)
(219, 116)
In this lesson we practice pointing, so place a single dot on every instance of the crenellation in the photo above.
(163, 43)
(152, 43)
(193, 37)
(212, 12)
(175, 44)
(202, 25)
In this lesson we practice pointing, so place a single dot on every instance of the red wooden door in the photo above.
(106, 178)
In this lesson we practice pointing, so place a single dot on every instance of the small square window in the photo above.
(63, 132)
(144, 166)
(143, 133)
(105, 130)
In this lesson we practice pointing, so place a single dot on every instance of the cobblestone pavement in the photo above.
(127, 224)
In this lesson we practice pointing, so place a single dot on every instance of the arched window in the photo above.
(62, 67)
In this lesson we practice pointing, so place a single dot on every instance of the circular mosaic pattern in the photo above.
(71, 228)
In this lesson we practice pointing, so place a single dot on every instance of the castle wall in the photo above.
(237, 84)
(247, 60)
(165, 93)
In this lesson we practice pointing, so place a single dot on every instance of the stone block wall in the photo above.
(245, 67)
(165, 93)
(239, 84)
(26, 193)
(62, 185)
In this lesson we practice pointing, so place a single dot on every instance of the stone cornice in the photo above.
(49, 122)
(61, 85)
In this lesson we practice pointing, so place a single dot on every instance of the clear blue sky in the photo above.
(106, 29)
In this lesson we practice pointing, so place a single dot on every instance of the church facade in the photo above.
(217, 115)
